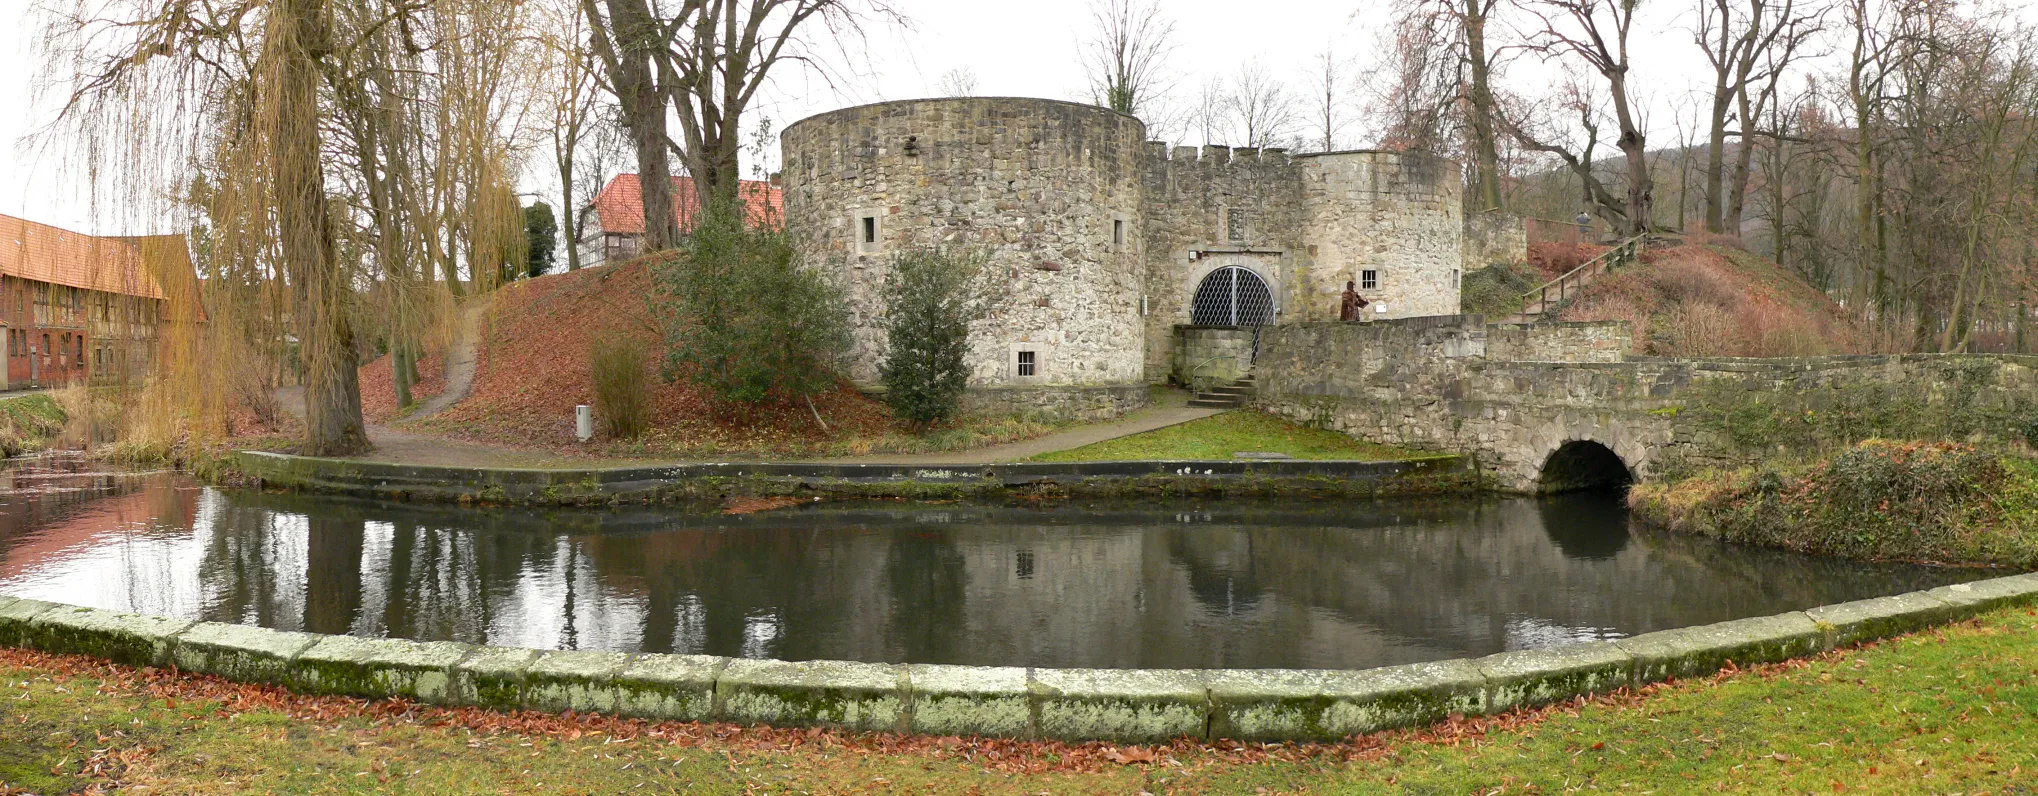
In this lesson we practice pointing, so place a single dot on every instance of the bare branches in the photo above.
(1126, 57)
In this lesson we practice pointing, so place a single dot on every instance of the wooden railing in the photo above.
(1573, 281)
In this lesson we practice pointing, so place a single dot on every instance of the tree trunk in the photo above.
(1716, 159)
(1737, 185)
(1485, 149)
(626, 50)
(332, 391)
(569, 225)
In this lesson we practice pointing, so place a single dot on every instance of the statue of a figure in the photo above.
(1354, 305)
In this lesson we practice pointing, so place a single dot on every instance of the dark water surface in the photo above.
(1147, 584)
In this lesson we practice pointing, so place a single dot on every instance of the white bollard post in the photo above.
(583, 422)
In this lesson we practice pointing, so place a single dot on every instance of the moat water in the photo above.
(1241, 584)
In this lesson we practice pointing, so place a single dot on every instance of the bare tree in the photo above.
(1261, 113)
(1595, 33)
(635, 49)
(575, 115)
(1329, 76)
(959, 82)
(706, 61)
(1126, 59)
(1746, 42)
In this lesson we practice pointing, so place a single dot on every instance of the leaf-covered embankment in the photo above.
(1912, 501)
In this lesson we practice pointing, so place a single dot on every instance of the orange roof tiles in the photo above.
(620, 204)
(42, 253)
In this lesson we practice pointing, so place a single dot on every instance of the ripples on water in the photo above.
(1244, 584)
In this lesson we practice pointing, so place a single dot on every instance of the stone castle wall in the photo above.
(1043, 185)
(1099, 239)
(1191, 198)
(1397, 214)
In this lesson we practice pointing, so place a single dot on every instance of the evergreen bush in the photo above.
(931, 297)
(745, 320)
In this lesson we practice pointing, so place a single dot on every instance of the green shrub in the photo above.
(931, 297)
(2031, 433)
(1496, 290)
(622, 387)
(746, 321)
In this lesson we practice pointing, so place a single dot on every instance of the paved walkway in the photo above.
(1139, 422)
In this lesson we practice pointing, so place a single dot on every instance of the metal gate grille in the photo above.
(1232, 296)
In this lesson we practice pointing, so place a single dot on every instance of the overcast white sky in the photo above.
(1013, 48)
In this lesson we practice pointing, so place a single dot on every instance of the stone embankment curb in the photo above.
(1069, 704)
(1426, 475)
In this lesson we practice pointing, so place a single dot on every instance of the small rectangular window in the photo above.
(1369, 280)
(870, 229)
(1026, 363)
(1117, 232)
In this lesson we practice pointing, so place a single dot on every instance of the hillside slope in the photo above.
(533, 366)
(1709, 301)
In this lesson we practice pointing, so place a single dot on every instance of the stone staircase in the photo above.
(1547, 297)
(1229, 396)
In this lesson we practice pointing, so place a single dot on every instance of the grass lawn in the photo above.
(1222, 436)
(1948, 711)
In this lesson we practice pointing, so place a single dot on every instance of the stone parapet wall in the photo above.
(1207, 355)
(1045, 186)
(1596, 341)
(1138, 705)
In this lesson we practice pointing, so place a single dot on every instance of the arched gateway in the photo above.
(1232, 296)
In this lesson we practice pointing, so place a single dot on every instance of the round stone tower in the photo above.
(1051, 189)
(1393, 222)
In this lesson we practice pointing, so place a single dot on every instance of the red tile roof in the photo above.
(621, 204)
(42, 253)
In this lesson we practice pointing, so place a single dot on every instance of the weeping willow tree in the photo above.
(342, 163)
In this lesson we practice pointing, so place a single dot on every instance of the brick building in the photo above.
(79, 307)
(620, 210)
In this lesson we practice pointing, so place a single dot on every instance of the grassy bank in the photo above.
(1914, 501)
(1222, 437)
(32, 422)
(1939, 712)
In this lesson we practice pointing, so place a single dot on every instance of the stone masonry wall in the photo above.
(1595, 341)
(1399, 214)
(1494, 237)
(1431, 386)
(1189, 200)
(1039, 183)
(1206, 355)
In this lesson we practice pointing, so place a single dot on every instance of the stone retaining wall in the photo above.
(1087, 404)
(1069, 704)
(1445, 473)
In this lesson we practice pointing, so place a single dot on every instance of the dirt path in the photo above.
(461, 360)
